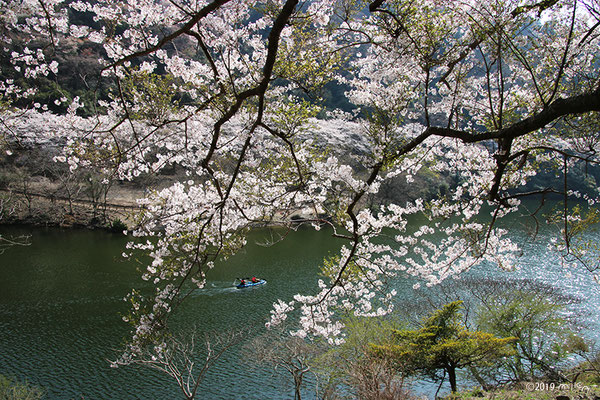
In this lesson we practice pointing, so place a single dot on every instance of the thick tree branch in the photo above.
(273, 46)
(184, 29)
(580, 104)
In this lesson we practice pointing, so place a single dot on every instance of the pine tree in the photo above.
(443, 343)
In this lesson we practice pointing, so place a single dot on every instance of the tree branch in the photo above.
(184, 29)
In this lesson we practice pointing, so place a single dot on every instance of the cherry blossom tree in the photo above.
(485, 91)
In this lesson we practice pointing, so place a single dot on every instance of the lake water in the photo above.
(61, 301)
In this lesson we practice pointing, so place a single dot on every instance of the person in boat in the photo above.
(242, 282)
(253, 279)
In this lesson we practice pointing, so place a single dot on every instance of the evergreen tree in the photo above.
(443, 343)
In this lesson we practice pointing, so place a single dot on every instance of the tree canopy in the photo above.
(443, 343)
(231, 92)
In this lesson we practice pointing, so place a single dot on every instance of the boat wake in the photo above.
(215, 288)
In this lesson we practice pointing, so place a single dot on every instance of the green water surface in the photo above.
(61, 302)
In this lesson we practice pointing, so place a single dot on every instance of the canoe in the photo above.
(250, 283)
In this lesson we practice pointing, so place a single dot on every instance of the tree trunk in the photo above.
(484, 385)
(297, 385)
(452, 378)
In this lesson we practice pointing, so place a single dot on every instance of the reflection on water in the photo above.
(61, 301)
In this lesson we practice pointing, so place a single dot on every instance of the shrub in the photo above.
(11, 389)
(117, 226)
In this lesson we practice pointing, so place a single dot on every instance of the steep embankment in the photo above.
(36, 188)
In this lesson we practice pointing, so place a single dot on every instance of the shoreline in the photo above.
(39, 209)
(116, 214)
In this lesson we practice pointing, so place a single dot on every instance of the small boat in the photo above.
(248, 283)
